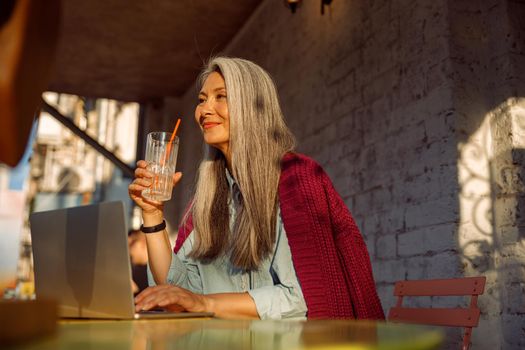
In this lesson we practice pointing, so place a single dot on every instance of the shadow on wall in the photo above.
(491, 234)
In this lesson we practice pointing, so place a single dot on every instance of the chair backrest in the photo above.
(455, 317)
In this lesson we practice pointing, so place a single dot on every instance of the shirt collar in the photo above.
(230, 179)
(234, 187)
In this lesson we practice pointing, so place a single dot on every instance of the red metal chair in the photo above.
(454, 317)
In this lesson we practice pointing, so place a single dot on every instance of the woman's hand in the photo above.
(158, 243)
(143, 180)
(172, 298)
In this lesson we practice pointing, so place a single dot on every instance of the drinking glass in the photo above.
(161, 156)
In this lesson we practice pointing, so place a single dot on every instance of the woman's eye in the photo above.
(201, 100)
(220, 97)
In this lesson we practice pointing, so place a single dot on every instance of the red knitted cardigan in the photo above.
(328, 252)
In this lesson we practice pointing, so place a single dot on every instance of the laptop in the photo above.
(81, 260)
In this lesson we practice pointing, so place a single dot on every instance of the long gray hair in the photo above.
(259, 138)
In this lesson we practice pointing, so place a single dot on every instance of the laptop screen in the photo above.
(81, 260)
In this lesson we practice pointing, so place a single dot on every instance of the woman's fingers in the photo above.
(146, 292)
(170, 301)
(152, 290)
(135, 189)
(144, 182)
(171, 297)
(147, 304)
(142, 172)
(176, 177)
(151, 296)
(142, 164)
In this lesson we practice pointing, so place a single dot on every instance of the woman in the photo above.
(266, 235)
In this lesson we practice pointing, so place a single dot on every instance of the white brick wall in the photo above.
(487, 53)
(384, 94)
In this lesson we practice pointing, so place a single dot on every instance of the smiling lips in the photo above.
(208, 125)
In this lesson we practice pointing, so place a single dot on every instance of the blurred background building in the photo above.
(66, 171)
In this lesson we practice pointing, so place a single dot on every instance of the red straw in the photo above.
(175, 130)
(168, 150)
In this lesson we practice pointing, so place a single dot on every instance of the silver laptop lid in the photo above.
(81, 260)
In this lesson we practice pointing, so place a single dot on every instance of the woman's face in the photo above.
(211, 113)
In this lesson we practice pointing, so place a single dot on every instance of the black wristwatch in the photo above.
(153, 229)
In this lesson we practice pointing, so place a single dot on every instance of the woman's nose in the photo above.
(206, 107)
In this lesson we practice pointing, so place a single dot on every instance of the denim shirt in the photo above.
(274, 287)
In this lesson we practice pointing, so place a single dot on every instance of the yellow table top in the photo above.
(223, 334)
